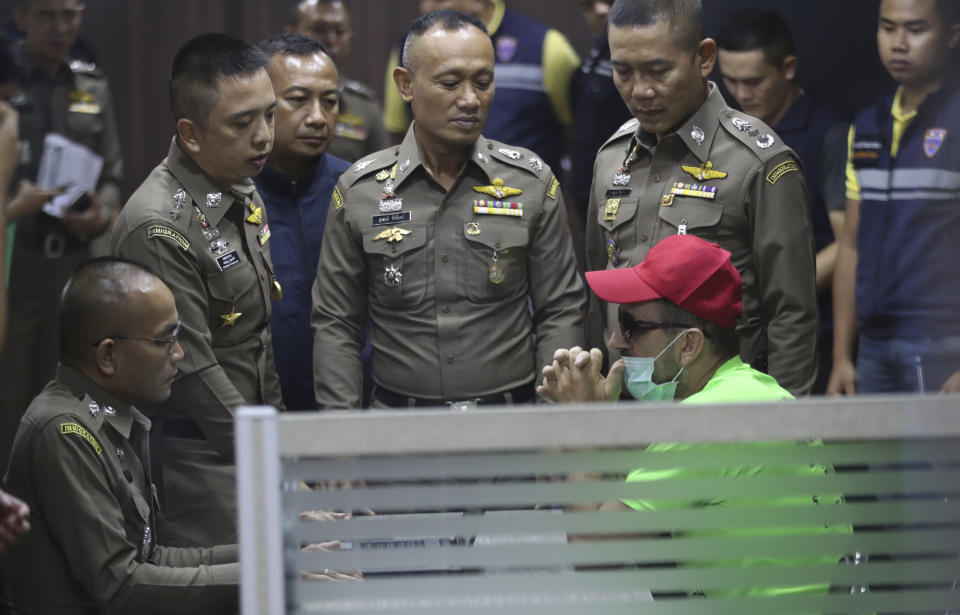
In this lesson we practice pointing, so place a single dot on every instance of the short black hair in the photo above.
(752, 29)
(94, 298)
(198, 67)
(449, 21)
(291, 44)
(685, 17)
(295, 5)
(724, 342)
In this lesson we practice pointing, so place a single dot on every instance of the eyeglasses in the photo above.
(169, 342)
(630, 325)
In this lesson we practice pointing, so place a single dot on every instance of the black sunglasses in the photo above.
(630, 325)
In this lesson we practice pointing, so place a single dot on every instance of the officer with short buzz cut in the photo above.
(455, 245)
(688, 164)
(198, 221)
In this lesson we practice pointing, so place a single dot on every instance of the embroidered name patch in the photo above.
(498, 208)
(614, 192)
(228, 260)
(554, 187)
(73, 428)
(168, 233)
(389, 219)
(702, 192)
(337, 199)
(782, 169)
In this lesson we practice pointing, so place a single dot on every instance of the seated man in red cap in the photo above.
(677, 339)
(678, 314)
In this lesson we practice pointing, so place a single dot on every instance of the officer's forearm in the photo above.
(210, 399)
(178, 557)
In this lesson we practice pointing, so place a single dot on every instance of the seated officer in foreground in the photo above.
(678, 314)
(82, 464)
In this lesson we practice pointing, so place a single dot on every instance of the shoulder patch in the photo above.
(337, 199)
(554, 187)
(158, 230)
(782, 169)
(80, 430)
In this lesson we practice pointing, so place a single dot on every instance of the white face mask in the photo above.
(639, 377)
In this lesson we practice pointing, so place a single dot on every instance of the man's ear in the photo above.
(105, 357)
(789, 68)
(404, 78)
(706, 56)
(190, 135)
(691, 346)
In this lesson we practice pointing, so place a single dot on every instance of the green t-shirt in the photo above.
(735, 381)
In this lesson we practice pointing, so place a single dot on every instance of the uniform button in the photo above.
(262, 277)
(656, 177)
(450, 359)
(643, 236)
(445, 309)
(728, 113)
(444, 258)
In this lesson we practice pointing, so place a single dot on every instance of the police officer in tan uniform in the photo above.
(81, 462)
(70, 97)
(198, 221)
(456, 245)
(359, 128)
(687, 163)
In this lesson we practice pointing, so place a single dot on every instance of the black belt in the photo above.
(182, 428)
(523, 394)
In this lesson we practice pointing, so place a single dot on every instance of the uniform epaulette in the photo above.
(757, 136)
(82, 66)
(626, 130)
(355, 87)
(375, 162)
(518, 157)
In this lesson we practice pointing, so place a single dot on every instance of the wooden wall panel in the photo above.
(135, 40)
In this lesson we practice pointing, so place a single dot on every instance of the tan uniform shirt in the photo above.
(220, 273)
(359, 130)
(462, 303)
(78, 462)
(726, 177)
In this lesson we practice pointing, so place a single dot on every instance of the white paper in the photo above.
(65, 162)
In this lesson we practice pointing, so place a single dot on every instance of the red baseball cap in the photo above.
(695, 275)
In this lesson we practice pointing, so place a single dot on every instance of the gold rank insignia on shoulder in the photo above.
(256, 215)
(229, 320)
(704, 171)
(82, 102)
(393, 234)
(553, 188)
(498, 190)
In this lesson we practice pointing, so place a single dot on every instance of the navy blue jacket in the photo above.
(909, 219)
(298, 212)
(522, 114)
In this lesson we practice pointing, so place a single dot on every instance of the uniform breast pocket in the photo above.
(236, 304)
(495, 261)
(397, 261)
(690, 215)
(617, 216)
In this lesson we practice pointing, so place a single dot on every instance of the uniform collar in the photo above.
(703, 120)
(408, 156)
(81, 386)
(198, 184)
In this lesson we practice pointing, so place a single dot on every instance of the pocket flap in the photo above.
(392, 241)
(230, 285)
(496, 234)
(694, 212)
(615, 212)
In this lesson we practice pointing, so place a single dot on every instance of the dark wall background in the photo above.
(135, 40)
